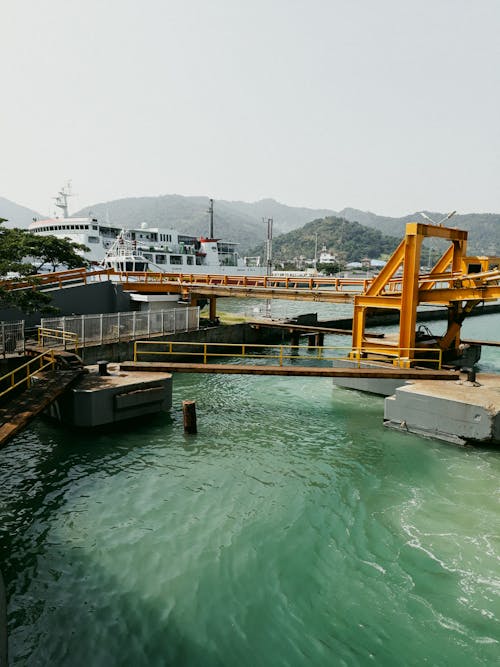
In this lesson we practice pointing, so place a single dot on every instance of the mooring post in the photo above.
(311, 342)
(189, 413)
(294, 339)
(320, 339)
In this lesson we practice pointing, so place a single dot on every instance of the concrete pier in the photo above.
(98, 400)
(459, 412)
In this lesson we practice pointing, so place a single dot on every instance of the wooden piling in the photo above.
(189, 413)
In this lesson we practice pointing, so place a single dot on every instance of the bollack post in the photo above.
(189, 413)
(320, 339)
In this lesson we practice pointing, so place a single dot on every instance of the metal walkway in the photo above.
(31, 402)
(303, 371)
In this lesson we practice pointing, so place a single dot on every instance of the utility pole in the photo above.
(211, 211)
(269, 257)
(269, 246)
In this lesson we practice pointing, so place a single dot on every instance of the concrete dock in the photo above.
(98, 400)
(459, 412)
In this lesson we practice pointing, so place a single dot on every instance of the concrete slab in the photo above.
(457, 412)
(100, 400)
(379, 386)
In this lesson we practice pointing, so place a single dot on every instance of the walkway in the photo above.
(387, 372)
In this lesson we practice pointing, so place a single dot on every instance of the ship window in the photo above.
(93, 239)
(94, 226)
(175, 259)
(148, 255)
(161, 259)
(189, 259)
(86, 226)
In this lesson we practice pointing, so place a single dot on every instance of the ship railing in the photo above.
(285, 354)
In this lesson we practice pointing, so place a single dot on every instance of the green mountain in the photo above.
(235, 221)
(349, 239)
(243, 221)
(483, 228)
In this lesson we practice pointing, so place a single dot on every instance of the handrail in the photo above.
(29, 373)
(58, 334)
(400, 357)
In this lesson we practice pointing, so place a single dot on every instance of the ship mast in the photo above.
(211, 211)
(62, 198)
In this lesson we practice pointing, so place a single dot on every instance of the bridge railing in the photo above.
(11, 337)
(116, 327)
(312, 354)
(22, 375)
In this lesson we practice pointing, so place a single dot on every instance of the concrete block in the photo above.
(455, 412)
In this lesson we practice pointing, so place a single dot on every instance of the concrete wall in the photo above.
(105, 297)
(236, 333)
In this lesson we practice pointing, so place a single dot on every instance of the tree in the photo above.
(16, 245)
(329, 268)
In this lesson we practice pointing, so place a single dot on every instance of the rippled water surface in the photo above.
(293, 529)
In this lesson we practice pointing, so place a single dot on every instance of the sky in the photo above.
(390, 106)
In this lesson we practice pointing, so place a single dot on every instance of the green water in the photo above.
(293, 529)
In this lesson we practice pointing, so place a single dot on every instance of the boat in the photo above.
(151, 248)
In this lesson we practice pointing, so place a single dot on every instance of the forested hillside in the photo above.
(350, 240)
(243, 221)
(483, 228)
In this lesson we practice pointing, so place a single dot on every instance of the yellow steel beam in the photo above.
(387, 272)
(409, 289)
(449, 233)
(445, 296)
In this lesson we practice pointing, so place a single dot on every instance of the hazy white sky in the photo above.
(386, 105)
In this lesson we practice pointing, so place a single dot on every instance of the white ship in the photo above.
(148, 248)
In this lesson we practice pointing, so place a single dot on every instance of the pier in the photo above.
(457, 282)
(298, 371)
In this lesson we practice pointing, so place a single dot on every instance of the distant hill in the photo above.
(483, 228)
(235, 221)
(17, 216)
(243, 221)
(349, 239)
(285, 218)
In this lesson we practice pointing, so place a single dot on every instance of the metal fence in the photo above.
(116, 327)
(11, 337)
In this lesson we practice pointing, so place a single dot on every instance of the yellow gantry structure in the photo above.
(456, 281)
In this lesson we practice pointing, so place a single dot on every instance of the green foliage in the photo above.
(349, 239)
(329, 269)
(18, 244)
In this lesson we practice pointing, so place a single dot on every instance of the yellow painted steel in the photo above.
(64, 336)
(27, 371)
(464, 290)
(150, 348)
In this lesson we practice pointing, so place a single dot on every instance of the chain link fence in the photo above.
(116, 327)
(11, 337)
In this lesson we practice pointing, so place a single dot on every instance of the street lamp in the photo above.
(437, 223)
